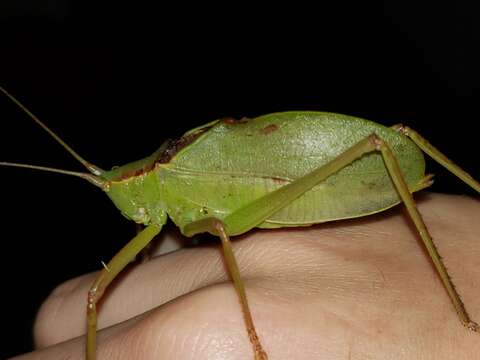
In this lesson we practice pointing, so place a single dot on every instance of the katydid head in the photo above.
(127, 185)
(134, 190)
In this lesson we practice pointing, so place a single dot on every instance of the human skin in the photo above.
(355, 289)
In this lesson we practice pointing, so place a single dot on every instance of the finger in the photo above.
(191, 327)
(206, 324)
(140, 288)
(282, 257)
(336, 263)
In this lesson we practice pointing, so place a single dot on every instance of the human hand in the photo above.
(355, 289)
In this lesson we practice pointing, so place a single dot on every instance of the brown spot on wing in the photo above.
(269, 129)
(229, 120)
(175, 146)
(233, 121)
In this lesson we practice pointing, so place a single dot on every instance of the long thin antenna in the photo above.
(90, 167)
(91, 178)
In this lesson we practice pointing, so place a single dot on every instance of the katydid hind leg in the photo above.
(256, 212)
(107, 275)
(436, 155)
(407, 198)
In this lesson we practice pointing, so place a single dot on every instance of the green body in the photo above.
(224, 165)
(277, 170)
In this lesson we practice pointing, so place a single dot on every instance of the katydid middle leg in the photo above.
(256, 212)
(217, 227)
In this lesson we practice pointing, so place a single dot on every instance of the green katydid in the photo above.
(278, 170)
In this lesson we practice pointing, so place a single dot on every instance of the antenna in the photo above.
(95, 180)
(95, 170)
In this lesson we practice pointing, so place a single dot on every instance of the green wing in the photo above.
(233, 163)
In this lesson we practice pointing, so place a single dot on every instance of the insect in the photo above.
(278, 170)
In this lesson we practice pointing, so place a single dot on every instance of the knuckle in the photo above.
(190, 328)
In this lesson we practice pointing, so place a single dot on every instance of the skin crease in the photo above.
(355, 290)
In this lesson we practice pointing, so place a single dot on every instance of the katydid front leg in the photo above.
(111, 270)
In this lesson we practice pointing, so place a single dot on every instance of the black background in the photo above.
(116, 81)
